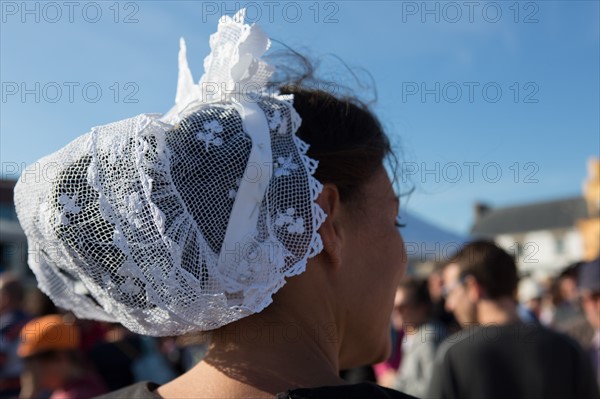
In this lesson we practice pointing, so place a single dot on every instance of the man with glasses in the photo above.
(496, 355)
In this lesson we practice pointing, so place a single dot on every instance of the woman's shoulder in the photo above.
(144, 390)
(362, 390)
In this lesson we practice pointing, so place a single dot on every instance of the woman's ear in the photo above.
(330, 231)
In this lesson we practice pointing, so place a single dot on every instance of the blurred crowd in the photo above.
(440, 326)
(48, 353)
(474, 328)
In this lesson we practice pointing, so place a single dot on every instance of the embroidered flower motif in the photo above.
(69, 206)
(129, 270)
(209, 134)
(105, 208)
(171, 282)
(275, 121)
(61, 218)
(144, 146)
(213, 126)
(68, 203)
(284, 166)
(233, 192)
(134, 208)
(294, 225)
(119, 241)
(129, 287)
(152, 296)
(106, 280)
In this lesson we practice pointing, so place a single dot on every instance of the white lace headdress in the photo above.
(181, 222)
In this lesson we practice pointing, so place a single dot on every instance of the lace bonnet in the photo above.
(184, 221)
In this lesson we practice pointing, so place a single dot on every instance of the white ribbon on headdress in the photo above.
(233, 66)
(243, 219)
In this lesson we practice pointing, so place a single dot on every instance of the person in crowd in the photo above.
(530, 295)
(38, 304)
(123, 358)
(185, 351)
(114, 355)
(496, 355)
(269, 220)
(12, 319)
(412, 309)
(385, 372)
(589, 289)
(567, 308)
(568, 316)
(50, 348)
(547, 302)
(435, 284)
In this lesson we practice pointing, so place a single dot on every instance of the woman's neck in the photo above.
(262, 355)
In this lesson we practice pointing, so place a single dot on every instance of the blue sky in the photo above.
(510, 112)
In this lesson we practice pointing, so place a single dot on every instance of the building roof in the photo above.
(425, 240)
(547, 215)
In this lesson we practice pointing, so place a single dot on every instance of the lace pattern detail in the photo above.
(130, 226)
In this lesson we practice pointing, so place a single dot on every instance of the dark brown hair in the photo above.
(417, 292)
(491, 266)
(344, 136)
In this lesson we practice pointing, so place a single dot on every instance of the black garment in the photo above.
(359, 374)
(114, 360)
(512, 361)
(365, 390)
(143, 390)
(440, 314)
(140, 390)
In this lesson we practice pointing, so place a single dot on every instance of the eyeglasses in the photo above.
(447, 290)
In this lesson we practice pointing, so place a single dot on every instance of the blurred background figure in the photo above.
(496, 355)
(12, 319)
(108, 353)
(38, 304)
(422, 335)
(567, 306)
(530, 295)
(385, 372)
(547, 303)
(589, 288)
(439, 313)
(187, 350)
(123, 358)
(568, 316)
(114, 356)
(50, 348)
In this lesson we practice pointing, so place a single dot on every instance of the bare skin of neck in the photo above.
(283, 347)
(499, 312)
